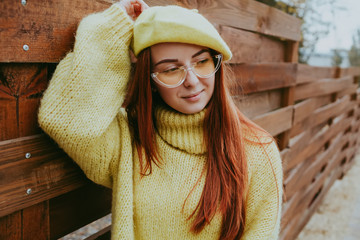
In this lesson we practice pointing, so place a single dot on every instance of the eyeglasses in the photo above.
(174, 76)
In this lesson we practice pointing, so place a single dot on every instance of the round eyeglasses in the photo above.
(175, 76)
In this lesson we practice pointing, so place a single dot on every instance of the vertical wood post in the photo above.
(21, 85)
(291, 56)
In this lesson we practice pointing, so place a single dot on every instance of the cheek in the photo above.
(167, 94)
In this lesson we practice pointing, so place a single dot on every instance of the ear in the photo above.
(133, 59)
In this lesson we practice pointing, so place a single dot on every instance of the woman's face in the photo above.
(194, 93)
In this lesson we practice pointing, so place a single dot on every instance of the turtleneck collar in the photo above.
(183, 131)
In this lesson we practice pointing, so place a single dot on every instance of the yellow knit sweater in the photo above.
(81, 110)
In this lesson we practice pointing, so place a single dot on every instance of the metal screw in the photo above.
(29, 191)
(26, 47)
(23, 2)
(28, 155)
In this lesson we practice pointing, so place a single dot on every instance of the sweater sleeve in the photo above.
(80, 109)
(265, 193)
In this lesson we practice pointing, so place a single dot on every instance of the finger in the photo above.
(131, 12)
(143, 5)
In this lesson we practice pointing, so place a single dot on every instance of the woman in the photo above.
(182, 161)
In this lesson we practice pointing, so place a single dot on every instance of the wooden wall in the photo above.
(313, 112)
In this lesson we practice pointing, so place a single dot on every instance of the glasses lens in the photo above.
(204, 67)
(172, 76)
(207, 66)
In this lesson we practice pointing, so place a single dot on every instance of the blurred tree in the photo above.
(354, 52)
(313, 27)
(336, 58)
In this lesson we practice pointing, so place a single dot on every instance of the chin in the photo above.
(191, 109)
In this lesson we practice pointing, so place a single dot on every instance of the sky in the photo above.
(344, 24)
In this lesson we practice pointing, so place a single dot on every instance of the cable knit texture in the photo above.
(81, 110)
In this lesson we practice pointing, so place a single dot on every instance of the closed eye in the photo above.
(202, 62)
(170, 70)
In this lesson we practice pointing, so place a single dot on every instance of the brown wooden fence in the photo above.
(313, 112)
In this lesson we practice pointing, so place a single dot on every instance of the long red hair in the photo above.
(227, 171)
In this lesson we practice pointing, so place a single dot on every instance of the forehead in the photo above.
(174, 51)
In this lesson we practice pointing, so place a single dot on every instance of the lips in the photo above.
(193, 95)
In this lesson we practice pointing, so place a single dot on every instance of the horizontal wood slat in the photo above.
(256, 104)
(351, 71)
(306, 73)
(250, 47)
(32, 170)
(305, 108)
(252, 78)
(322, 87)
(254, 16)
(46, 27)
(295, 158)
(277, 121)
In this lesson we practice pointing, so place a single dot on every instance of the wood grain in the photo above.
(27, 181)
(249, 15)
(307, 73)
(47, 27)
(259, 77)
(277, 121)
(21, 87)
(256, 104)
(322, 87)
(250, 47)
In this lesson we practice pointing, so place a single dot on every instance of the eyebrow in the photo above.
(175, 60)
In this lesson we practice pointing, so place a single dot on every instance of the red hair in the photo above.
(227, 171)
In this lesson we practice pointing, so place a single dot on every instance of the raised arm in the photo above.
(80, 107)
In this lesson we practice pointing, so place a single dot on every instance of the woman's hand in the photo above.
(133, 7)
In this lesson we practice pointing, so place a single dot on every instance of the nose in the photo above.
(190, 79)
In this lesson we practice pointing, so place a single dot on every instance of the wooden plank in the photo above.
(255, 16)
(331, 110)
(306, 108)
(292, 56)
(307, 73)
(292, 51)
(277, 121)
(249, 47)
(256, 104)
(308, 212)
(299, 143)
(20, 91)
(262, 77)
(349, 91)
(320, 115)
(10, 226)
(103, 234)
(49, 34)
(296, 146)
(75, 209)
(305, 198)
(287, 229)
(35, 222)
(289, 209)
(322, 87)
(46, 27)
(351, 71)
(318, 141)
(305, 174)
(47, 173)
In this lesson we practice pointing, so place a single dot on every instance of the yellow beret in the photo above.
(176, 24)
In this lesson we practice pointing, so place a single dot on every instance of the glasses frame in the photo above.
(186, 69)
